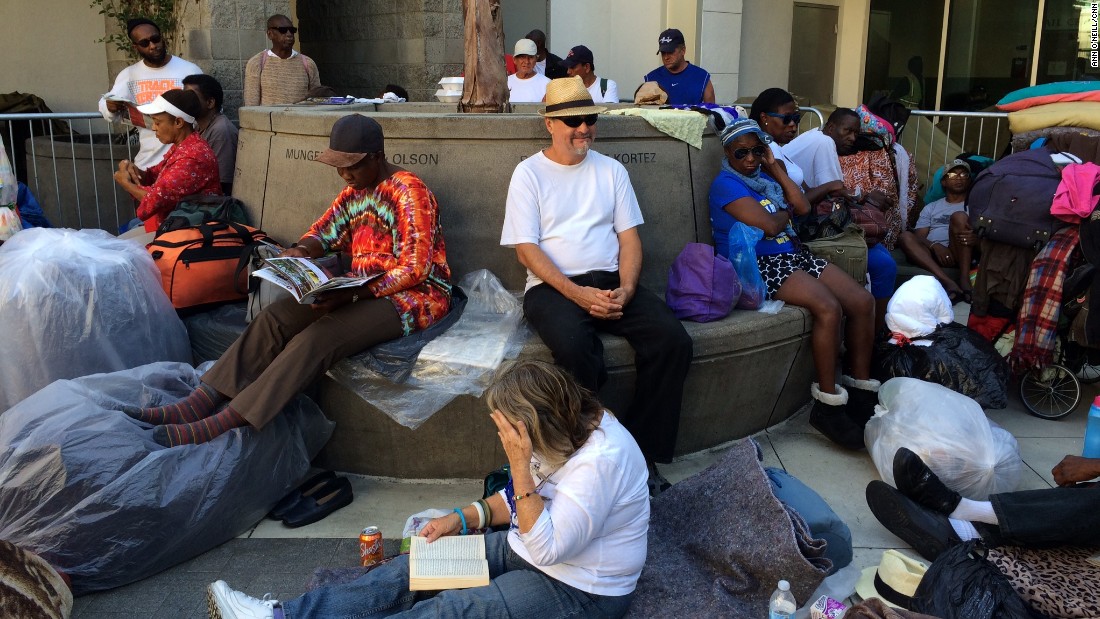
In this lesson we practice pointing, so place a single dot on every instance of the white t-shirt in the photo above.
(574, 213)
(793, 170)
(815, 153)
(936, 216)
(591, 534)
(611, 95)
(141, 84)
(530, 90)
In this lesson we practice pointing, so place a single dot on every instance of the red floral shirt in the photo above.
(187, 169)
(393, 230)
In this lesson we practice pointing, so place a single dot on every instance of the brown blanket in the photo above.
(720, 541)
(29, 587)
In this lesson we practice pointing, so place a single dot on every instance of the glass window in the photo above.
(903, 51)
(989, 51)
(1066, 43)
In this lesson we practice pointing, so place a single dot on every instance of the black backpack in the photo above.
(1010, 201)
(961, 584)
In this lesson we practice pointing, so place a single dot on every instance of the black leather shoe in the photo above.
(308, 488)
(926, 531)
(331, 497)
(915, 480)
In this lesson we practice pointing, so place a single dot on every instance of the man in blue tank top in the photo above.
(685, 83)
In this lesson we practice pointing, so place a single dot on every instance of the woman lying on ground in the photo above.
(387, 221)
(188, 168)
(767, 199)
(577, 505)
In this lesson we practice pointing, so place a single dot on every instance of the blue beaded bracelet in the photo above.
(463, 518)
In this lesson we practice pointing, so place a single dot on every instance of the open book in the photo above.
(131, 116)
(454, 562)
(305, 280)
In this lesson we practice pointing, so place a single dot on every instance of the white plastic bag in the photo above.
(949, 431)
(9, 222)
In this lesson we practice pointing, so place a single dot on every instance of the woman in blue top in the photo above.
(767, 199)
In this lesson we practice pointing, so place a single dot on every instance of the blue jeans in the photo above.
(516, 589)
(883, 271)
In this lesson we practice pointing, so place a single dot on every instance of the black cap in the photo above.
(578, 55)
(352, 138)
(669, 40)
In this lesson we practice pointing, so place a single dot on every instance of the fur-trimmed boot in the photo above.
(829, 417)
(862, 398)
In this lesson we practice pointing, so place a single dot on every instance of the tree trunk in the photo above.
(485, 88)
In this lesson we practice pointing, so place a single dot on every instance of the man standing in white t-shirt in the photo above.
(525, 85)
(572, 217)
(140, 83)
(579, 63)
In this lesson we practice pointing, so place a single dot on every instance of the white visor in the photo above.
(161, 105)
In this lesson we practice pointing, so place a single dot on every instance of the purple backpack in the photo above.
(702, 285)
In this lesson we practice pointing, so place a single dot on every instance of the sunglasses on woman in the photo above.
(787, 118)
(286, 29)
(153, 40)
(575, 121)
(757, 151)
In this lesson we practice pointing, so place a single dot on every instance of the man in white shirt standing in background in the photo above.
(526, 85)
(140, 83)
(579, 63)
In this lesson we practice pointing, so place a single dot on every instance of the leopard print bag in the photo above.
(1057, 582)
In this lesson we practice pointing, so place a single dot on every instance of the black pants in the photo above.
(662, 354)
(1048, 517)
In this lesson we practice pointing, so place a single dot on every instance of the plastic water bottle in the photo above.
(782, 605)
(1092, 431)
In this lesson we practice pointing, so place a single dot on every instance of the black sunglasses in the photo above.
(757, 151)
(285, 29)
(787, 118)
(575, 121)
(153, 40)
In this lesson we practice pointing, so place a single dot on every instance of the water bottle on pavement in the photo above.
(782, 605)
(1092, 431)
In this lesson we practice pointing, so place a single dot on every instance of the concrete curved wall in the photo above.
(750, 370)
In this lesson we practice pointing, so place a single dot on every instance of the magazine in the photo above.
(131, 116)
(304, 279)
(455, 562)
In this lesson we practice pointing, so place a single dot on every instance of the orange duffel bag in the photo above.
(205, 264)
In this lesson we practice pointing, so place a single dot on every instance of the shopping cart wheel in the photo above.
(1051, 392)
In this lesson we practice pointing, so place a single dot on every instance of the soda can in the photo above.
(370, 546)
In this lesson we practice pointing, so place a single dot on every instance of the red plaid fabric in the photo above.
(1037, 321)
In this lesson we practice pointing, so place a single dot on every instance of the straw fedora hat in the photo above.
(894, 580)
(567, 96)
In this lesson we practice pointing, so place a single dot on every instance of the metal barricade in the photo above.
(71, 172)
(934, 138)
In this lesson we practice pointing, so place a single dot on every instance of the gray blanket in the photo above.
(720, 541)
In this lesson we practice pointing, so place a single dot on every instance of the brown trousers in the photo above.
(289, 345)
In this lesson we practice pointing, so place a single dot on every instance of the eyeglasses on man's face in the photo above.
(284, 29)
(961, 174)
(787, 118)
(757, 151)
(153, 40)
(575, 121)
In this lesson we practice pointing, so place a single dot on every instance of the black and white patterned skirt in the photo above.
(776, 268)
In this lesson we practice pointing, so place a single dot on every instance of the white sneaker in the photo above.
(225, 603)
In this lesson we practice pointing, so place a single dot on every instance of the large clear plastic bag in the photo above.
(74, 303)
(949, 431)
(461, 361)
(85, 486)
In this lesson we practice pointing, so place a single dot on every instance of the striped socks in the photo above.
(200, 404)
(199, 431)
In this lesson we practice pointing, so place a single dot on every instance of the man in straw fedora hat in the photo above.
(573, 218)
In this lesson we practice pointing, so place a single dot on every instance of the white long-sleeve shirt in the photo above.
(141, 84)
(592, 531)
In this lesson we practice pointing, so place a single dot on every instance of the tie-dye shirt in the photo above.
(393, 230)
